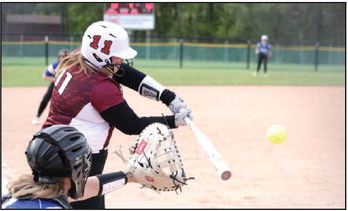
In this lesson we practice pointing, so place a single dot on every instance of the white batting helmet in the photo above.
(102, 40)
(264, 37)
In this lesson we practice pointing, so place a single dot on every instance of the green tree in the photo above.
(283, 22)
(81, 15)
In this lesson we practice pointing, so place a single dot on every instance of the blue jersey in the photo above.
(51, 69)
(264, 49)
(30, 204)
(7, 202)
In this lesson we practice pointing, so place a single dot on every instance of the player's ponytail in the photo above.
(74, 59)
(26, 187)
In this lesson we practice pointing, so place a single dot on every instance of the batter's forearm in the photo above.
(124, 118)
(145, 85)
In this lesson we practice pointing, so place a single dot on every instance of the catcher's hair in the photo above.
(74, 59)
(26, 186)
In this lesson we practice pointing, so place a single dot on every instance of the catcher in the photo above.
(60, 160)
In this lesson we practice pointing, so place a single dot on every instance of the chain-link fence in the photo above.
(175, 52)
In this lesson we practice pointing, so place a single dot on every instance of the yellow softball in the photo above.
(276, 134)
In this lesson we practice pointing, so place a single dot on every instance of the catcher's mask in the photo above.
(101, 41)
(57, 152)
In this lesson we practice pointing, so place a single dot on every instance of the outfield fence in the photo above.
(180, 53)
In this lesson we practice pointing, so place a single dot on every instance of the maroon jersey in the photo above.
(78, 99)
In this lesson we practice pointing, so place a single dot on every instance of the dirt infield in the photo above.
(307, 171)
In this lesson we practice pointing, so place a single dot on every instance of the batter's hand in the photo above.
(181, 115)
(176, 105)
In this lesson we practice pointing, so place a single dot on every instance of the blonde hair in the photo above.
(26, 186)
(74, 59)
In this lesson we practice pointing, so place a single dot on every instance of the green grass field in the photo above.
(200, 73)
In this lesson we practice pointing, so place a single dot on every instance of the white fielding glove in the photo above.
(181, 115)
(176, 105)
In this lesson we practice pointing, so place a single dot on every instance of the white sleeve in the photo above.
(150, 88)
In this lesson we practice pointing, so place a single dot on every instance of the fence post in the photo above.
(46, 49)
(21, 45)
(248, 54)
(226, 51)
(316, 55)
(148, 41)
(71, 40)
(181, 52)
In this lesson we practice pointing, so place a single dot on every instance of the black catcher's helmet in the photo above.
(57, 152)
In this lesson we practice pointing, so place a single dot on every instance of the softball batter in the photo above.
(87, 95)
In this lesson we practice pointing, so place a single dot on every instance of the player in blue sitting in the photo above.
(263, 49)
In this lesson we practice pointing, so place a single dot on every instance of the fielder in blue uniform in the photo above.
(49, 75)
(263, 49)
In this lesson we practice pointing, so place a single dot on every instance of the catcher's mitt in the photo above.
(156, 161)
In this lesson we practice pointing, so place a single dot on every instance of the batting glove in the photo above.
(181, 115)
(176, 105)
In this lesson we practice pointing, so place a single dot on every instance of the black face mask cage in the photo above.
(130, 62)
(120, 72)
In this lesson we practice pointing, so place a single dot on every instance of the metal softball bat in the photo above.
(214, 156)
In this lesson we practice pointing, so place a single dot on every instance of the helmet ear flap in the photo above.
(109, 66)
